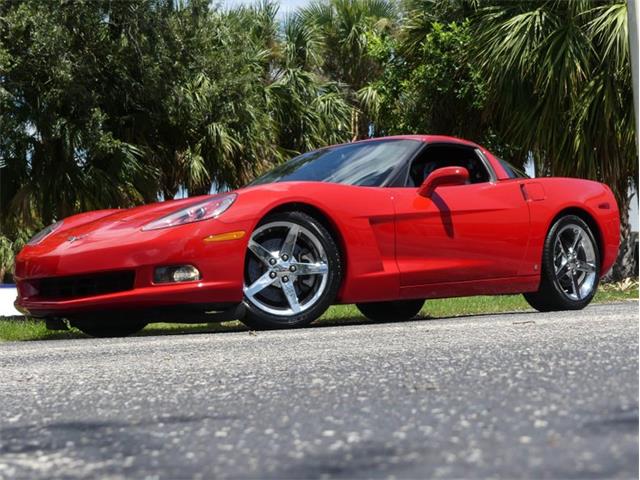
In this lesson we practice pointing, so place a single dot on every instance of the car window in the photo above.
(512, 172)
(440, 156)
(364, 163)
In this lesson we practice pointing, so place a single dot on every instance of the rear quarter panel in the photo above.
(552, 196)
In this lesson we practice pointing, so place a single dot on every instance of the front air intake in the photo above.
(61, 288)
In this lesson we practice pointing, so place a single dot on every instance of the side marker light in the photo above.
(221, 237)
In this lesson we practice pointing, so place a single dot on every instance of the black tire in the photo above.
(397, 310)
(256, 317)
(552, 295)
(105, 325)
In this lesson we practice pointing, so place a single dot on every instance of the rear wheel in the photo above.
(570, 267)
(391, 311)
(105, 325)
(293, 271)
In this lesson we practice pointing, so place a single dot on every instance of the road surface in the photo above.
(524, 395)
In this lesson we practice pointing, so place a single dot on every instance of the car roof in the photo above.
(425, 139)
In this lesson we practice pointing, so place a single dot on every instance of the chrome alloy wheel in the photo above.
(286, 270)
(574, 262)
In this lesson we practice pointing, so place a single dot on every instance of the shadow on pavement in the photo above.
(163, 329)
(237, 326)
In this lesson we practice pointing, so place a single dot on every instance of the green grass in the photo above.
(15, 330)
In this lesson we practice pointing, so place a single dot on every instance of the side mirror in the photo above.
(446, 176)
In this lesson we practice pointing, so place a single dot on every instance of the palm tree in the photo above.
(302, 109)
(560, 87)
(309, 111)
(419, 16)
(347, 28)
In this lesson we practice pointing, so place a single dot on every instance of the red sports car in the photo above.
(384, 223)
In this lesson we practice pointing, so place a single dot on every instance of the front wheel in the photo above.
(570, 267)
(293, 271)
(391, 311)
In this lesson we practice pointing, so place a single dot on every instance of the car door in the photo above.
(462, 233)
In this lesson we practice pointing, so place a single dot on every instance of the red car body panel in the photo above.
(484, 238)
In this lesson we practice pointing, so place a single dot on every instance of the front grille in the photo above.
(85, 285)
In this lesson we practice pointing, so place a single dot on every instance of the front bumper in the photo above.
(209, 295)
(221, 266)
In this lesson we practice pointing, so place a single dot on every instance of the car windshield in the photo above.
(367, 164)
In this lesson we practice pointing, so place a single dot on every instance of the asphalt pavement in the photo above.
(525, 395)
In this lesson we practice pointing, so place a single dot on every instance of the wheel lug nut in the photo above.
(285, 257)
(285, 279)
(272, 274)
(292, 268)
(272, 261)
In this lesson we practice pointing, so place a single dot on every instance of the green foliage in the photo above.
(346, 27)
(436, 89)
(9, 249)
(6, 255)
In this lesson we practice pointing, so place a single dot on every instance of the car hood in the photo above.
(116, 222)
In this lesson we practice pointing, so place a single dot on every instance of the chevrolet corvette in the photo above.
(384, 223)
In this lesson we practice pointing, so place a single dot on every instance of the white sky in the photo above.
(286, 6)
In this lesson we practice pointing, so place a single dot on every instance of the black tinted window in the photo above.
(512, 171)
(439, 156)
(366, 164)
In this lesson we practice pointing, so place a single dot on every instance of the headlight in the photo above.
(45, 232)
(208, 209)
